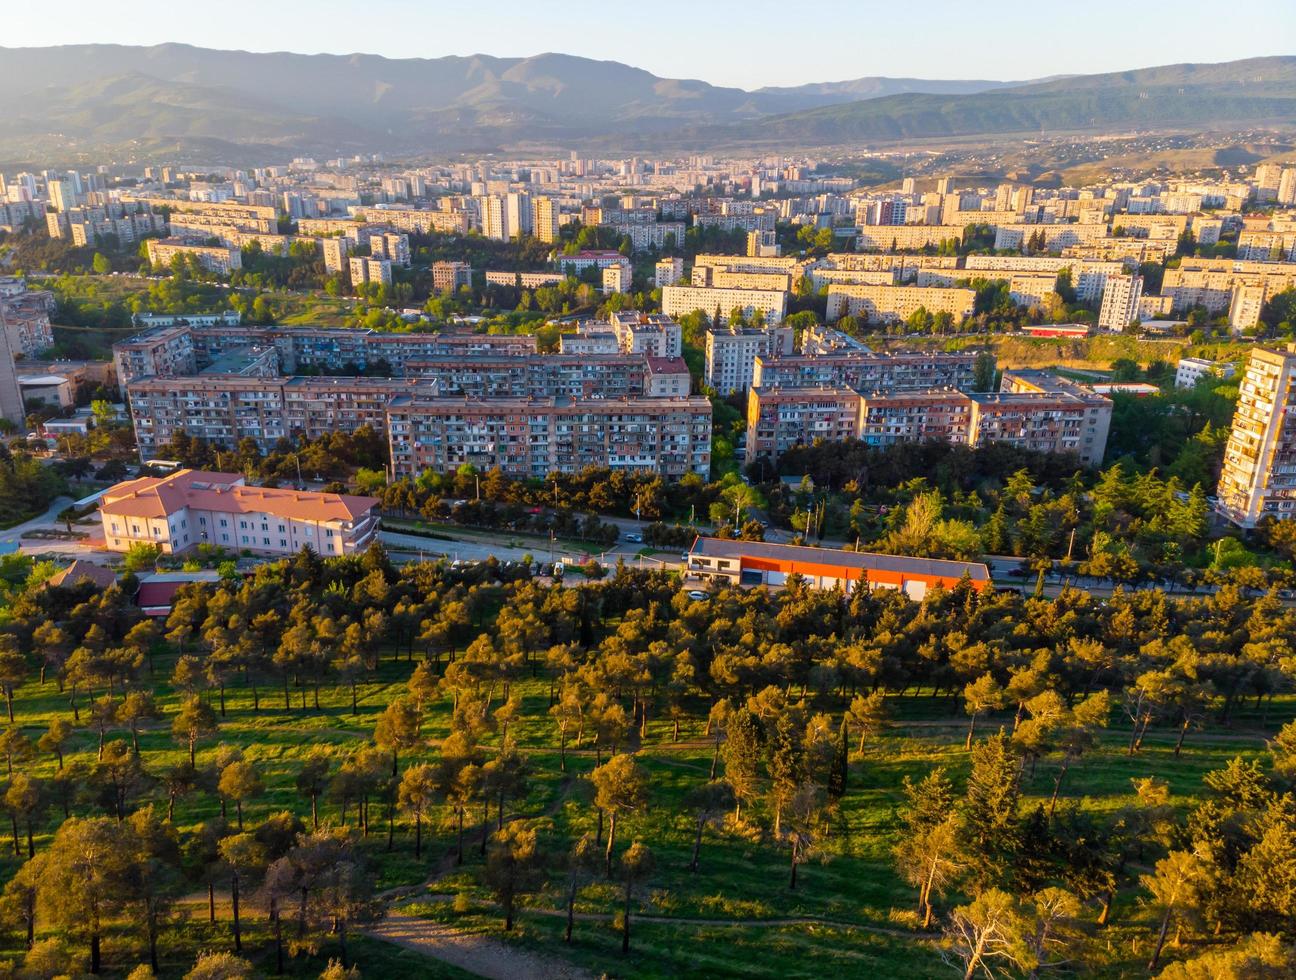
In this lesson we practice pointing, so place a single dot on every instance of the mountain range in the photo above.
(183, 96)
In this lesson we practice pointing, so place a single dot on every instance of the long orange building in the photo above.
(762, 563)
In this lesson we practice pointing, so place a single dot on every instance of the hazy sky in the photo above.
(747, 44)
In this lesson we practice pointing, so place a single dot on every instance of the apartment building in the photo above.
(531, 438)
(392, 246)
(667, 377)
(1093, 410)
(886, 419)
(868, 371)
(187, 508)
(654, 334)
(1120, 302)
(1056, 236)
(781, 419)
(894, 304)
(668, 272)
(536, 375)
(367, 270)
(337, 252)
(418, 221)
(731, 354)
(27, 319)
(717, 278)
(218, 259)
(223, 409)
(12, 409)
(545, 216)
(1259, 475)
(909, 238)
(719, 304)
(447, 277)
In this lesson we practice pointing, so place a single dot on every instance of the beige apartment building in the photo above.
(531, 438)
(781, 419)
(731, 354)
(1259, 475)
(219, 259)
(894, 304)
(185, 509)
(678, 301)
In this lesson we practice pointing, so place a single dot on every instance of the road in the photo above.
(45, 520)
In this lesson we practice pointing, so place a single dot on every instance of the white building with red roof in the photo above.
(189, 507)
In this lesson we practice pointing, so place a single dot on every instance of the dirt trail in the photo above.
(481, 955)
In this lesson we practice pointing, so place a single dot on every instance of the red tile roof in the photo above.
(225, 493)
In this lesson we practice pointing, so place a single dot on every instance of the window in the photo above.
(245, 540)
(224, 523)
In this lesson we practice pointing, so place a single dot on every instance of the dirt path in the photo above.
(481, 955)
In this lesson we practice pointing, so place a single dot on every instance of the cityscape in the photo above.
(531, 515)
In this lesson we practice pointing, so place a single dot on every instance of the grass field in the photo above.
(730, 919)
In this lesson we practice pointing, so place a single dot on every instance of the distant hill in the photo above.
(1253, 92)
(149, 99)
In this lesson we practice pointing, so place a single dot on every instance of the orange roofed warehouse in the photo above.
(761, 563)
(188, 508)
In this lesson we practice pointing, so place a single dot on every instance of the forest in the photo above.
(639, 783)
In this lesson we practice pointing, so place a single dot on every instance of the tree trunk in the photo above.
(967, 744)
(95, 963)
(315, 811)
(418, 834)
(715, 759)
(571, 911)
(562, 749)
(697, 844)
(792, 880)
(625, 922)
(342, 942)
(1160, 941)
(13, 819)
(1108, 897)
(278, 934)
(211, 902)
(1057, 786)
(238, 805)
(1183, 732)
(459, 852)
(234, 901)
(612, 822)
(485, 826)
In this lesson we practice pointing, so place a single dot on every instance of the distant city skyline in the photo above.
(749, 45)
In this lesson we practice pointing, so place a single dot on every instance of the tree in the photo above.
(25, 799)
(619, 787)
(708, 802)
(868, 713)
(1176, 893)
(581, 862)
(636, 864)
(195, 721)
(982, 695)
(312, 779)
(989, 829)
(220, 966)
(398, 729)
(136, 707)
(418, 788)
(101, 264)
(741, 752)
(83, 878)
(983, 933)
(240, 781)
(243, 854)
(55, 739)
(1259, 956)
(13, 670)
(510, 865)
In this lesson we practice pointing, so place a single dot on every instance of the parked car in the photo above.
(697, 595)
(634, 538)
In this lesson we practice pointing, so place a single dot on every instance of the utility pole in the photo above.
(1070, 544)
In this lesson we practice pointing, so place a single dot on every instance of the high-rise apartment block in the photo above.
(545, 218)
(731, 354)
(1259, 475)
(366, 270)
(449, 276)
(1120, 302)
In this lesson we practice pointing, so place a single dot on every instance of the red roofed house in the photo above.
(188, 508)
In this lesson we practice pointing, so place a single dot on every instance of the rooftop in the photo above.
(723, 548)
(225, 493)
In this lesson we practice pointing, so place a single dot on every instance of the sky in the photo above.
(747, 44)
